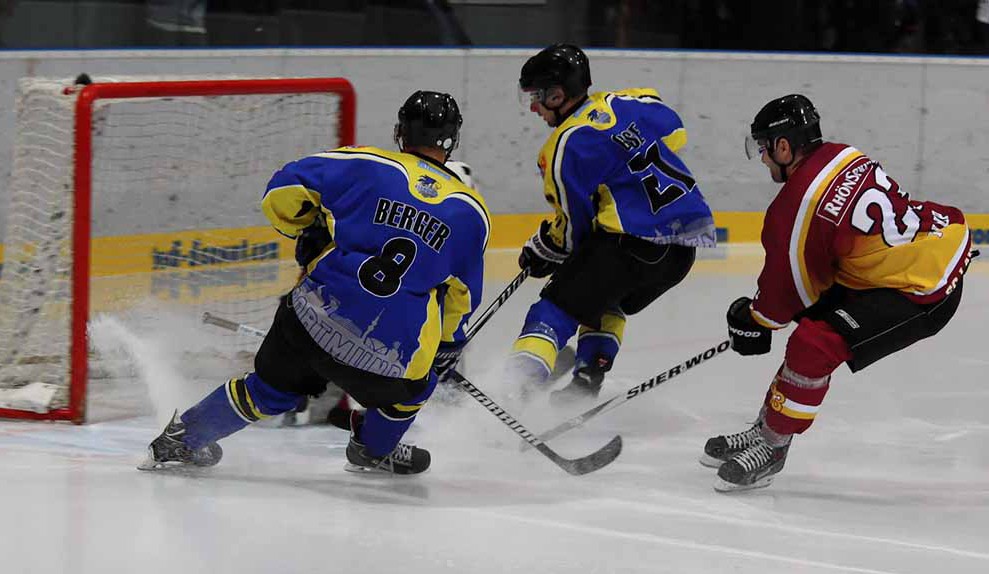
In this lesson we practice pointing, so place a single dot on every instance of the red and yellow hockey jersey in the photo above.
(840, 219)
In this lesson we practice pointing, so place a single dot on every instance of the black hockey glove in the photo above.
(747, 336)
(540, 255)
(446, 359)
(311, 242)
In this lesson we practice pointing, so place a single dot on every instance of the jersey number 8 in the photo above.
(381, 275)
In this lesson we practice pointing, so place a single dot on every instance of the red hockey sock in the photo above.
(813, 352)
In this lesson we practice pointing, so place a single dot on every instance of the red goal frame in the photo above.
(82, 176)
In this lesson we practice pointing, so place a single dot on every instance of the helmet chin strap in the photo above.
(782, 166)
(559, 118)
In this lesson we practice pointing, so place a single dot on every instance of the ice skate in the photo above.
(169, 448)
(751, 468)
(719, 449)
(586, 384)
(340, 415)
(300, 416)
(404, 459)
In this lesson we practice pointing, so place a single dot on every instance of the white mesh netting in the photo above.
(176, 224)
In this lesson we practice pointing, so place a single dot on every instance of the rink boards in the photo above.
(199, 266)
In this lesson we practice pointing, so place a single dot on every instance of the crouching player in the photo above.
(396, 244)
(862, 268)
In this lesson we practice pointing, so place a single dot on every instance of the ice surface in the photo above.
(892, 478)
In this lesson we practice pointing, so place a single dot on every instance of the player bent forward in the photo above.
(394, 243)
(628, 218)
(865, 270)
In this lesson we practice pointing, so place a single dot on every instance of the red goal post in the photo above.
(81, 228)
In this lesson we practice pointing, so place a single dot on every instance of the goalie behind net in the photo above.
(176, 181)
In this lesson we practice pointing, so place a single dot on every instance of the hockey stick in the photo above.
(495, 305)
(635, 391)
(231, 325)
(589, 463)
(474, 328)
(594, 461)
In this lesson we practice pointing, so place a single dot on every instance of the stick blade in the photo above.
(584, 465)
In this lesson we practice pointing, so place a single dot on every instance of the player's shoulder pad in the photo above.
(464, 201)
(644, 94)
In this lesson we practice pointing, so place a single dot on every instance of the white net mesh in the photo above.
(176, 224)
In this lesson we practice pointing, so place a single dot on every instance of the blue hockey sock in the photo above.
(595, 346)
(231, 407)
(547, 328)
(384, 427)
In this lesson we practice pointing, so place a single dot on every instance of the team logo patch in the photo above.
(599, 117)
(427, 186)
(776, 399)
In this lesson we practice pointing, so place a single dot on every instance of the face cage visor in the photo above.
(531, 96)
(755, 148)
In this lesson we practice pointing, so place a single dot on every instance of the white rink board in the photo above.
(924, 118)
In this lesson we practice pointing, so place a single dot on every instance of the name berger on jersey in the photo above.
(432, 230)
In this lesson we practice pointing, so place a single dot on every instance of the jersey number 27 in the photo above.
(677, 183)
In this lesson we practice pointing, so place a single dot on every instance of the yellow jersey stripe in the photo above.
(560, 189)
(607, 216)
(960, 252)
(429, 339)
(765, 321)
(455, 305)
(805, 214)
(676, 140)
(366, 155)
(281, 205)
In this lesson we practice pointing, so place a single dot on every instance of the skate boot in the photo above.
(719, 449)
(586, 384)
(297, 417)
(404, 459)
(169, 448)
(339, 416)
(752, 468)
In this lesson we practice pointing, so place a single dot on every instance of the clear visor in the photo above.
(754, 148)
(528, 97)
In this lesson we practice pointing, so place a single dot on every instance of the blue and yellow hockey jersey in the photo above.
(405, 267)
(612, 165)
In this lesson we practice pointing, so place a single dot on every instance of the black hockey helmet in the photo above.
(429, 119)
(563, 65)
(793, 117)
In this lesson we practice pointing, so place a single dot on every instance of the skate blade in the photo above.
(149, 462)
(169, 466)
(372, 471)
(709, 461)
(351, 467)
(722, 485)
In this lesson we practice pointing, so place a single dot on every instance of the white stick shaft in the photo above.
(231, 326)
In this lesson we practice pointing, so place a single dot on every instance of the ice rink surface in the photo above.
(892, 478)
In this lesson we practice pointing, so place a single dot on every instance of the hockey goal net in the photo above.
(143, 197)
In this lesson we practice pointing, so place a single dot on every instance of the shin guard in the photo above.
(384, 427)
(546, 330)
(231, 407)
(600, 346)
(813, 352)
